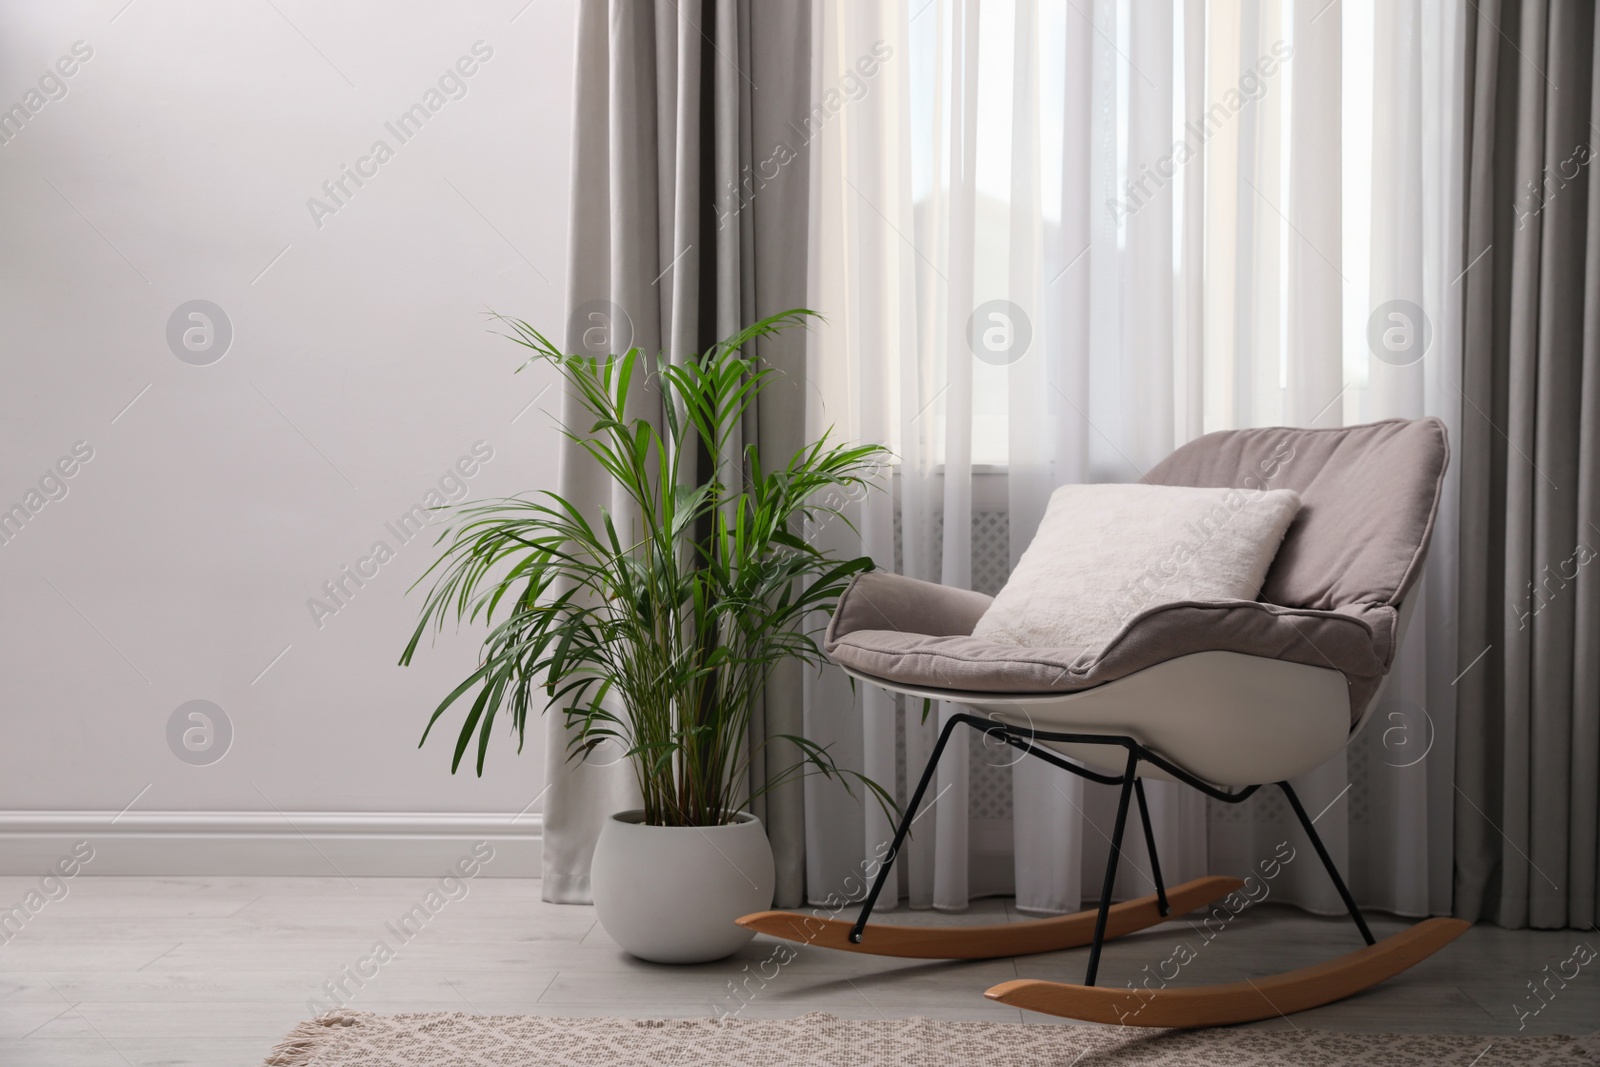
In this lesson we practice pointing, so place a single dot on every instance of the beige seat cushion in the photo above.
(881, 629)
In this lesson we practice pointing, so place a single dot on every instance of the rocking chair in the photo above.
(1222, 696)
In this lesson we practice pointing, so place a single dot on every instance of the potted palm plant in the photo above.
(656, 630)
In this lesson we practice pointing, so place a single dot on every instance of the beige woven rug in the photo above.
(449, 1039)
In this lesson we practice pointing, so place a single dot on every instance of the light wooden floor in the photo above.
(213, 971)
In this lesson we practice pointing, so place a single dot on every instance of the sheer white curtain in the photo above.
(1054, 239)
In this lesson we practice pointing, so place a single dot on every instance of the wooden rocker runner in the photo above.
(1224, 697)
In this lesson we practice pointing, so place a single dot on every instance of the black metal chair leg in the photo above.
(1327, 861)
(904, 828)
(1150, 846)
(1129, 778)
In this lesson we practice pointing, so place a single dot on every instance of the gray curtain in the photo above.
(688, 221)
(1528, 751)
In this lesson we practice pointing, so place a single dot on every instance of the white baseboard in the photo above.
(351, 844)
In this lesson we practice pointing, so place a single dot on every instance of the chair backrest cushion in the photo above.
(1368, 496)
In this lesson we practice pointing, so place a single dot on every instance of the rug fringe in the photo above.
(306, 1038)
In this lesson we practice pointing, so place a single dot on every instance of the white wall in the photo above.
(177, 166)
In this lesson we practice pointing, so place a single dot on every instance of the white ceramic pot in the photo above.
(670, 894)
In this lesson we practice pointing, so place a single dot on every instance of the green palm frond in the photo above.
(657, 629)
